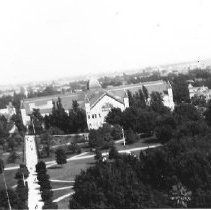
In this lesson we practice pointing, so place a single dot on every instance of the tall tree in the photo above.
(156, 103)
(37, 121)
(145, 92)
(208, 113)
(60, 156)
(180, 90)
(114, 116)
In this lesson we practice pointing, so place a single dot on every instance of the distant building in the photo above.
(8, 112)
(203, 90)
(96, 101)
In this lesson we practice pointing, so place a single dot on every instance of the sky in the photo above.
(48, 39)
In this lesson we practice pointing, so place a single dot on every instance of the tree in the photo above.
(60, 156)
(130, 97)
(12, 143)
(45, 185)
(139, 100)
(50, 205)
(22, 172)
(180, 196)
(37, 121)
(4, 199)
(74, 148)
(116, 132)
(59, 117)
(192, 128)
(101, 138)
(114, 185)
(207, 113)
(184, 112)
(156, 103)
(98, 155)
(140, 120)
(113, 153)
(180, 90)
(45, 139)
(130, 137)
(17, 119)
(13, 156)
(165, 126)
(114, 116)
(41, 167)
(199, 101)
(145, 92)
(22, 193)
(1, 166)
(77, 118)
(164, 133)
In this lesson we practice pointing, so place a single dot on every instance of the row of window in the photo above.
(94, 116)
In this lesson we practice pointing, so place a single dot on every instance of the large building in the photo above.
(96, 101)
(199, 91)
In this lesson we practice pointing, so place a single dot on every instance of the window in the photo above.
(99, 115)
(93, 116)
(88, 116)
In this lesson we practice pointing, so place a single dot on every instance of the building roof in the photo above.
(94, 95)
(66, 100)
(157, 86)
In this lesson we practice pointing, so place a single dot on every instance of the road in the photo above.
(85, 156)
(34, 197)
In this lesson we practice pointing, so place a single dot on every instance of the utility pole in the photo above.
(123, 136)
(8, 199)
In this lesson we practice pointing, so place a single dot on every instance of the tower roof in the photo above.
(93, 84)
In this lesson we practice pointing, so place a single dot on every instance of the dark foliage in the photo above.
(60, 156)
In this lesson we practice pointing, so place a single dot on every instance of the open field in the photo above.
(9, 177)
(67, 172)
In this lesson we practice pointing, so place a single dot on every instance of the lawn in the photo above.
(64, 203)
(67, 172)
(5, 156)
(144, 142)
(9, 177)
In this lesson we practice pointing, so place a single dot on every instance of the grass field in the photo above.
(67, 172)
(9, 177)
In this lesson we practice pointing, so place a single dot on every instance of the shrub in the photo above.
(164, 133)
(98, 155)
(131, 137)
(60, 156)
(74, 148)
(113, 153)
(116, 132)
(13, 156)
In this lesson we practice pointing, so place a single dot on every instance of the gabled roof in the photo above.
(94, 97)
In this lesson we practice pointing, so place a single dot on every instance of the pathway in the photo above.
(34, 197)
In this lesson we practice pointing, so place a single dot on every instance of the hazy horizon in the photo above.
(44, 40)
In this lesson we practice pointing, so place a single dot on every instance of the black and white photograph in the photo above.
(105, 104)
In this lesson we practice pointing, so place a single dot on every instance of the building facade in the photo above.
(96, 101)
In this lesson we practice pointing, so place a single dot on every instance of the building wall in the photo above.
(96, 115)
(48, 105)
(168, 99)
(25, 117)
